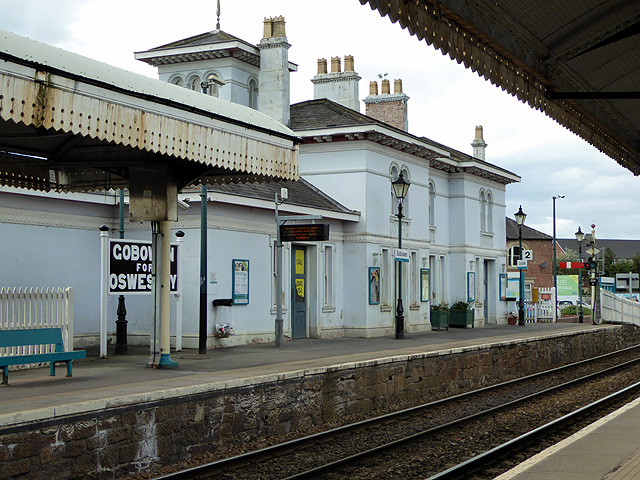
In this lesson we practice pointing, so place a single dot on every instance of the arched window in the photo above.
(432, 204)
(253, 93)
(195, 84)
(489, 212)
(394, 173)
(177, 81)
(483, 212)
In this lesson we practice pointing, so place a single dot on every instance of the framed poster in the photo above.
(471, 286)
(503, 286)
(424, 285)
(374, 285)
(240, 282)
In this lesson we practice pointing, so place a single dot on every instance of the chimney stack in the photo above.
(337, 86)
(274, 81)
(479, 144)
(388, 107)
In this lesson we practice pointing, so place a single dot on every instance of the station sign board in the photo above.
(130, 267)
(401, 255)
(314, 232)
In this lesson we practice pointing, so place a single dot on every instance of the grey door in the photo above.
(299, 293)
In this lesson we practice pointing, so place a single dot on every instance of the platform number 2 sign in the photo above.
(527, 255)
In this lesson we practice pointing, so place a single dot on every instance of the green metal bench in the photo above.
(39, 336)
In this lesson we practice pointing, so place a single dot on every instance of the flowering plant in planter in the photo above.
(224, 330)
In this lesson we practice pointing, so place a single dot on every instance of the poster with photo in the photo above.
(240, 294)
(424, 285)
(374, 285)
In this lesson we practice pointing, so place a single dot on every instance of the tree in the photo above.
(568, 256)
(609, 262)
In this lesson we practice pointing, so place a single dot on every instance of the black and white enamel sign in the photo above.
(130, 267)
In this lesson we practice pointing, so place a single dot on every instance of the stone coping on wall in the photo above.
(197, 384)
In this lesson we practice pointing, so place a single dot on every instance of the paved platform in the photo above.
(117, 380)
(609, 449)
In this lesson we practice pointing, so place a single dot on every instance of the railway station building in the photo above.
(453, 227)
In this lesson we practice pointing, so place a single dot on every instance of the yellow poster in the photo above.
(300, 287)
(299, 262)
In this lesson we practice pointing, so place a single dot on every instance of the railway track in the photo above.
(447, 437)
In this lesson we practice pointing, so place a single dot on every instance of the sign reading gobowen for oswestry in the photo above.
(130, 269)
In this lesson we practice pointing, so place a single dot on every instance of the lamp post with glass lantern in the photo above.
(520, 218)
(580, 238)
(400, 189)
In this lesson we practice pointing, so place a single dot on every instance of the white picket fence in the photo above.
(37, 308)
(617, 309)
(543, 310)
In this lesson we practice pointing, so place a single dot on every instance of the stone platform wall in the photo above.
(144, 437)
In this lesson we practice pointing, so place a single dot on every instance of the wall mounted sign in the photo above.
(131, 269)
(374, 285)
(240, 283)
(424, 285)
(471, 286)
(315, 232)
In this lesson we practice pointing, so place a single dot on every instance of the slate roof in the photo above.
(322, 113)
(301, 193)
(208, 38)
(623, 249)
(528, 233)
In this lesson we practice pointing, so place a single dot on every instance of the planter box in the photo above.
(461, 318)
(439, 320)
(512, 321)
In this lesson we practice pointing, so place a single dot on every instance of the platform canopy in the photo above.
(576, 61)
(69, 123)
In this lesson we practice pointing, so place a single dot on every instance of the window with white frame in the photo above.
(513, 255)
(195, 84)
(443, 280)
(483, 212)
(415, 280)
(489, 211)
(253, 93)
(432, 204)
(394, 173)
(328, 276)
(385, 278)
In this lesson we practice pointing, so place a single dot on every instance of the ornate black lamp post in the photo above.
(580, 238)
(520, 218)
(400, 189)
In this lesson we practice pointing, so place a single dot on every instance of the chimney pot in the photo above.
(479, 131)
(278, 27)
(322, 66)
(268, 28)
(373, 88)
(349, 64)
(397, 86)
(386, 88)
(335, 64)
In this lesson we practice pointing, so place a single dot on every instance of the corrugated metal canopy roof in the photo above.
(71, 123)
(578, 61)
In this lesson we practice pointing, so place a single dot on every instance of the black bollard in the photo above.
(121, 326)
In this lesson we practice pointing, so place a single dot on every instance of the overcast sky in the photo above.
(446, 101)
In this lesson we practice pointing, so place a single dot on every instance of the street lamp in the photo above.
(400, 189)
(555, 247)
(520, 218)
(580, 238)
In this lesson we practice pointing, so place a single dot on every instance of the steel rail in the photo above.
(300, 443)
(477, 462)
